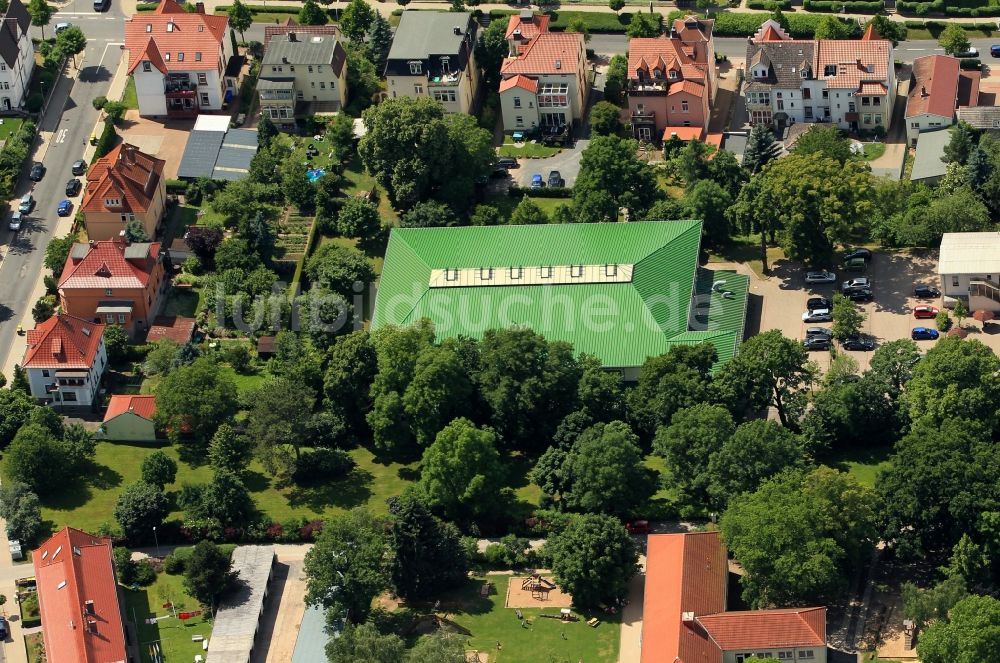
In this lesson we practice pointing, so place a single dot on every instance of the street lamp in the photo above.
(157, 540)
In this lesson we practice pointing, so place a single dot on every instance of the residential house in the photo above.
(129, 418)
(182, 63)
(115, 282)
(122, 186)
(78, 599)
(290, 25)
(544, 81)
(938, 87)
(685, 617)
(433, 55)
(671, 80)
(301, 75)
(513, 274)
(969, 267)
(65, 360)
(983, 118)
(848, 82)
(17, 56)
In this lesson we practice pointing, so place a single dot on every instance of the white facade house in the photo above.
(182, 63)
(969, 267)
(17, 56)
(65, 360)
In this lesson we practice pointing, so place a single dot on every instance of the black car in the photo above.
(817, 343)
(926, 292)
(859, 295)
(858, 343)
(555, 179)
(37, 172)
(80, 166)
(814, 303)
(4, 629)
(73, 187)
(819, 331)
(502, 162)
(864, 254)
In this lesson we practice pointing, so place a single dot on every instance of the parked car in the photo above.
(814, 303)
(73, 187)
(926, 292)
(864, 254)
(821, 276)
(858, 343)
(555, 179)
(15, 221)
(819, 315)
(536, 181)
(65, 208)
(924, 334)
(995, 50)
(924, 311)
(27, 203)
(859, 282)
(817, 343)
(101, 5)
(63, 26)
(972, 52)
(637, 527)
(856, 265)
(80, 166)
(859, 294)
(37, 172)
(818, 331)
(4, 628)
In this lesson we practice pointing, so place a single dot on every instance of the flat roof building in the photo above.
(969, 266)
(234, 633)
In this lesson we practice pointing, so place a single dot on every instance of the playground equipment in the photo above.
(538, 586)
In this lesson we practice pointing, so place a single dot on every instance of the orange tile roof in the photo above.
(691, 28)
(147, 37)
(519, 81)
(63, 342)
(78, 599)
(142, 406)
(529, 29)
(173, 328)
(104, 265)
(770, 30)
(856, 61)
(968, 87)
(684, 573)
(933, 86)
(649, 53)
(871, 34)
(124, 174)
(684, 133)
(545, 52)
(690, 87)
(764, 629)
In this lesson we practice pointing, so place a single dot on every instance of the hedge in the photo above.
(936, 27)
(800, 26)
(596, 22)
(176, 186)
(12, 156)
(853, 6)
(769, 5)
(107, 140)
(516, 191)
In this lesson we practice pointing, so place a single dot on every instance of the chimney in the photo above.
(458, 30)
(284, 60)
(859, 63)
(199, 7)
(923, 90)
(291, 36)
(687, 616)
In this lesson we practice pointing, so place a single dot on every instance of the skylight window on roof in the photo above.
(166, 56)
(197, 56)
(56, 553)
(61, 585)
(170, 26)
(453, 277)
(201, 28)
(180, 56)
(149, 27)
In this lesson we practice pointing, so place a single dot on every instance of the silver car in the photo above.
(821, 276)
(15, 221)
(817, 315)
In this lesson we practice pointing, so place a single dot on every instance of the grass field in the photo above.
(526, 150)
(863, 464)
(9, 126)
(34, 645)
(173, 635)
(489, 622)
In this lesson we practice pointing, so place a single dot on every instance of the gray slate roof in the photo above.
(240, 609)
(14, 23)
(785, 58)
(306, 49)
(927, 164)
(424, 33)
(981, 117)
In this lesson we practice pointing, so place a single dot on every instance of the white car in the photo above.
(817, 315)
(15, 221)
(973, 52)
(821, 277)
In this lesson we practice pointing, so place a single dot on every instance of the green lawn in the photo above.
(129, 97)
(526, 150)
(863, 464)
(183, 302)
(359, 180)
(489, 622)
(173, 635)
(872, 151)
(9, 126)
(30, 615)
(506, 204)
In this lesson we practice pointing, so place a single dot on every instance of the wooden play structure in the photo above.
(538, 586)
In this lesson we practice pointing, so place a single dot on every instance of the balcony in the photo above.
(441, 78)
(643, 117)
(277, 95)
(648, 88)
(180, 87)
(984, 289)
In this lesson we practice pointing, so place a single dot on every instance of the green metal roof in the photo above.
(622, 323)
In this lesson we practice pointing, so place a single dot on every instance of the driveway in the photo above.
(567, 162)
(164, 139)
(630, 648)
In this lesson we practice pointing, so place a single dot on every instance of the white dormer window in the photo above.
(146, 66)
(804, 73)
(112, 202)
(149, 27)
(166, 56)
(180, 57)
(170, 26)
(672, 74)
(416, 67)
(197, 56)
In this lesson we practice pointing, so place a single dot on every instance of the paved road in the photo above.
(70, 131)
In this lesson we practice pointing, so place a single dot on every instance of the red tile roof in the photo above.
(933, 86)
(142, 406)
(765, 629)
(871, 34)
(519, 81)
(78, 599)
(173, 328)
(856, 61)
(968, 88)
(63, 342)
(548, 53)
(690, 87)
(770, 30)
(684, 133)
(161, 36)
(530, 29)
(123, 174)
(104, 265)
(690, 28)
(649, 53)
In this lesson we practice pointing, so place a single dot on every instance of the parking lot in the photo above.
(567, 162)
(888, 317)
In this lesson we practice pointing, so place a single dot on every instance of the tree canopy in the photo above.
(593, 559)
(612, 176)
(462, 474)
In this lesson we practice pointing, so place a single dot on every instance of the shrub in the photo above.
(99, 102)
(174, 564)
(495, 554)
(942, 321)
(145, 574)
(35, 102)
(107, 140)
(322, 465)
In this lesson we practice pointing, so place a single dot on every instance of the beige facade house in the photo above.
(433, 55)
(544, 81)
(301, 75)
(122, 186)
(130, 418)
(969, 267)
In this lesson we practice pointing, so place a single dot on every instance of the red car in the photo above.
(637, 527)
(924, 312)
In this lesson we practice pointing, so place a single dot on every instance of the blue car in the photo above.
(536, 181)
(924, 334)
(995, 50)
(65, 208)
